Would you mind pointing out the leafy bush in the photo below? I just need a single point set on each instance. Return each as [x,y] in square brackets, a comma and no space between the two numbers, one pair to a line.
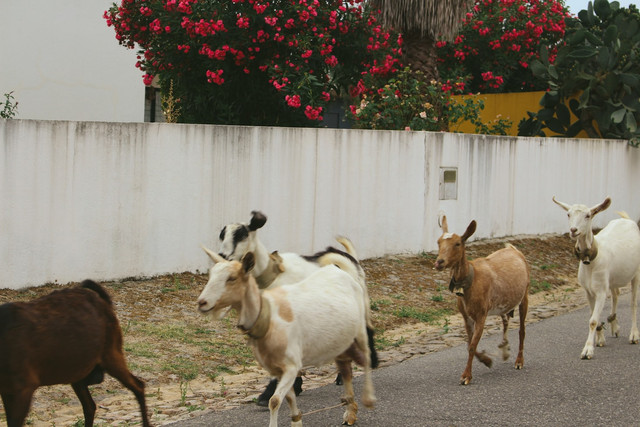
[254,62]
[406,101]
[497,42]
[597,74]
[9,106]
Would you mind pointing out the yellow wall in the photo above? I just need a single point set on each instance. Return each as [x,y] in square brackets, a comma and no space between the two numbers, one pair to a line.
[512,106]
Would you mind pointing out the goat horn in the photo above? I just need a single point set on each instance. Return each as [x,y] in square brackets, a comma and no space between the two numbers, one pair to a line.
[564,206]
[214,256]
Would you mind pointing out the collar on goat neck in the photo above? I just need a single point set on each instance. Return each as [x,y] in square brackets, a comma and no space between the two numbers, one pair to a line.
[268,276]
[463,283]
[587,254]
[261,324]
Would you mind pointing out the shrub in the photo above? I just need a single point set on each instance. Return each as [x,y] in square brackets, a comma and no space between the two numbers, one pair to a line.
[9,106]
[597,74]
[406,101]
[497,42]
[253,62]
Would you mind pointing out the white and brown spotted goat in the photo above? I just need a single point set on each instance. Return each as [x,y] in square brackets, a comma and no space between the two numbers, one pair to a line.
[238,239]
[608,261]
[494,285]
[310,323]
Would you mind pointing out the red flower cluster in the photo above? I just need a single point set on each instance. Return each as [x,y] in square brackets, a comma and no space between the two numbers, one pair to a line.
[298,49]
[499,39]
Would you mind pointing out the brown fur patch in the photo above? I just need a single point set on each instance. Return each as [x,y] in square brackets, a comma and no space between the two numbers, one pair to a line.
[270,350]
[284,308]
[274,403]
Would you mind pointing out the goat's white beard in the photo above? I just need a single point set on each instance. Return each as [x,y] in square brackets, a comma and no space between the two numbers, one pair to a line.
[219,313]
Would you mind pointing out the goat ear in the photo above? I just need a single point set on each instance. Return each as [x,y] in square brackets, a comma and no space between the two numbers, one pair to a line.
[469,231]
[275,256]
[602,206]
[248,262]
[258,219]
[564,206]
[442,222]
[214,256]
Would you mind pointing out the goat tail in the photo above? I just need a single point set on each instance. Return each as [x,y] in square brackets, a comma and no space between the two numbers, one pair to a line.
[348,245]
[373,354]
[90,284]
[623,214]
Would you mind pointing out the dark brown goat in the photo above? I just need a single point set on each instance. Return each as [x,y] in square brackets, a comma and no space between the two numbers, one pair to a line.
[70,336]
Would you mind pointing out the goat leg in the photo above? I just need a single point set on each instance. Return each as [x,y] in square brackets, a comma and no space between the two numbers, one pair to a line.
[88,405]
[504,345]
[522,310]
[16,406]
[350,414]
[284,388]
[473,345]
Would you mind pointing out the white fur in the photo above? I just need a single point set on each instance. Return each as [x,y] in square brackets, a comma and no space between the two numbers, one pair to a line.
[617,263]
[328,309]
[296,268]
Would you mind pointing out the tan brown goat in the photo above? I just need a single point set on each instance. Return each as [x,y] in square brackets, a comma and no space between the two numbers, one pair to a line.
[494,285]
[71,336]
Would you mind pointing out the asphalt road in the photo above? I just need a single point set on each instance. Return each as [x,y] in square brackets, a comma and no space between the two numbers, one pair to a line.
[555,388]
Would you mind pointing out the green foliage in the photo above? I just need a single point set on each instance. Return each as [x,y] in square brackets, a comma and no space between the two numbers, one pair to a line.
[595,76]
[252,62]
[498,40]
[540,286]
[9,106]
[426,316]
[406,101]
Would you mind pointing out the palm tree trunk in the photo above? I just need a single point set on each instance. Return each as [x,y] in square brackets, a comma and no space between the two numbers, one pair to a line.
[420,54]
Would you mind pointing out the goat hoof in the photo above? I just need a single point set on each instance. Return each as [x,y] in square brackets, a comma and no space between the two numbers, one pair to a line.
[465,381]
[349,419]
[369,402]
[586,357]
[262,402]
[633,341]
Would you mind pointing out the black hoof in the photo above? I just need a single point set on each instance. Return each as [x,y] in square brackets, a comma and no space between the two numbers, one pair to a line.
[263,399]
[339,379]
[297,386]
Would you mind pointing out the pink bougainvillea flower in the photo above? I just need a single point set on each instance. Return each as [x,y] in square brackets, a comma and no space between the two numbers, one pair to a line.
[313,113]
[215,76]
[293,101]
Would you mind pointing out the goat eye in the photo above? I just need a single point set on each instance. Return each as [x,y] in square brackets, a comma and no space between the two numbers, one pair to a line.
[588,216]
[458,244]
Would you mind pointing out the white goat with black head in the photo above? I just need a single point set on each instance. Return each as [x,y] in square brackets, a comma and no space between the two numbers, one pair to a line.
[309,323]
[608,260]
[238,239]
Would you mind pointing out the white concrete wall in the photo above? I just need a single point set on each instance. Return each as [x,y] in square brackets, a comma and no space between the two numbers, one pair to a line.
[64,63]
[112,200]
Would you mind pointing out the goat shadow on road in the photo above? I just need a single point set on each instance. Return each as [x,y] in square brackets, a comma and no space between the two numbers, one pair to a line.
[555,387]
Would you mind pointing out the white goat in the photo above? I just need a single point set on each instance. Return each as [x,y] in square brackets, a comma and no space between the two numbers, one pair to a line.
[238,239]
[608,261]
[309,323]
